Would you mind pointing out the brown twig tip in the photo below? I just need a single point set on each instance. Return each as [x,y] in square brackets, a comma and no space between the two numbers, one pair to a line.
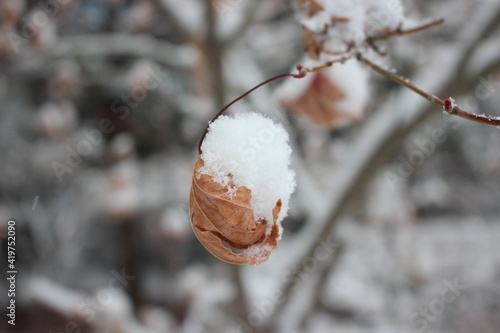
[449,106]
[302,72]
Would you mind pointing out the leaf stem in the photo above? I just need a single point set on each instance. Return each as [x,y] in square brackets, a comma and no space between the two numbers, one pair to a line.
[302,73]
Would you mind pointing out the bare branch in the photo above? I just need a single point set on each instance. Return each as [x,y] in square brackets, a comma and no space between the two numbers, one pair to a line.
[214,54]
[382,136]
[304,70]
[402,32]
[109,45]
[401,80]
[447,104]
[370,41]
[450,108]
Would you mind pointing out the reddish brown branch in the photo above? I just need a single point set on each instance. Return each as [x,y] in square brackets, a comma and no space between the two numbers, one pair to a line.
[450,108]
[401,80]
[402,32]
[447,104]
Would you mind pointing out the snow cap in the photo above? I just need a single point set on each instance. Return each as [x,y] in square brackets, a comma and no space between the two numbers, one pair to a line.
[250,150]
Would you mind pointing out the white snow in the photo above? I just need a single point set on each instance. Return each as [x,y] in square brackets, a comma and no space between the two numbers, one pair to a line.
[365,17]
[352,79]
[258,252]
[252,151]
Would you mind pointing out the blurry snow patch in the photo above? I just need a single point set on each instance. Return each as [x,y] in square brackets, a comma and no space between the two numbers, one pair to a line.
[198,108]
[142,74]
[56,119]
[388,203]
[353,287]
[432,192]
[157,319]
[52,295]
[175,222]
[230,14]
[65,83]
[317,22]
[123,190]
[45,36]
[364,17]
[386,274]
[191,129]
[259,252]
[352,79]
[122,146]
[486,159]
[207,295]
[197,284]
[252,151]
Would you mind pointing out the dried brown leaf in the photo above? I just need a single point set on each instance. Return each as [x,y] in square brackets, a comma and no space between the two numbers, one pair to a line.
[319,102]
[225,223]
[311,44]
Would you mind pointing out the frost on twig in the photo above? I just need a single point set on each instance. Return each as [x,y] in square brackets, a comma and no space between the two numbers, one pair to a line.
[448,104]
[451,108]
[315,49]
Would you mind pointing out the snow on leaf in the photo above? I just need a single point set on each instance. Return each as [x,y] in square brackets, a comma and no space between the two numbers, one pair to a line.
[241,188]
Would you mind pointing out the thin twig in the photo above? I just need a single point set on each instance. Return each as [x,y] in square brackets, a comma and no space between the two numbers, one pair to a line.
[326,65]
[401,32]
[370,41]
[447,104]
[214,54]
[450,108]
[401,80]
